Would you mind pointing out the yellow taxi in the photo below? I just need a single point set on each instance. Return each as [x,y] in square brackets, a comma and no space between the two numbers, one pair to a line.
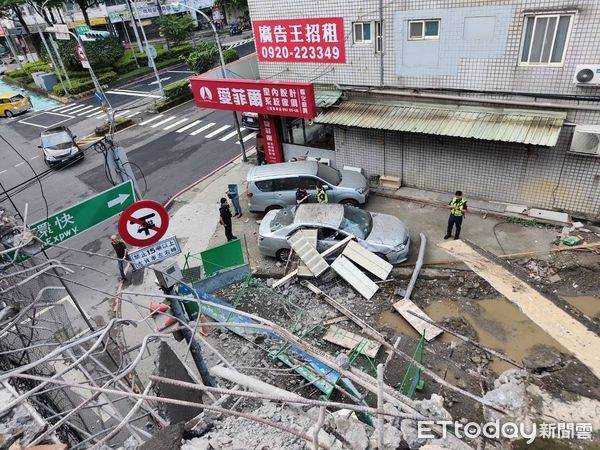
[12,104]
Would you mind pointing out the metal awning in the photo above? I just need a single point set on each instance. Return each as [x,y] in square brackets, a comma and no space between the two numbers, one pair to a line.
[326,98]
[494,124]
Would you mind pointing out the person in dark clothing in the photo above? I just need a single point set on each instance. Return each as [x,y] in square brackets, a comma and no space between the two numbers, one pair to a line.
[301,195]
[458,209]
[121,252]
[225,220]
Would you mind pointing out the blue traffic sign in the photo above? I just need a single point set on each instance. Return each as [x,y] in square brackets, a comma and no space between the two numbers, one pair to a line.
[100,98]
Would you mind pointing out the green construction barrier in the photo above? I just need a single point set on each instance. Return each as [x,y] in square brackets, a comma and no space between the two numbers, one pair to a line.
[412,377]
[222,257]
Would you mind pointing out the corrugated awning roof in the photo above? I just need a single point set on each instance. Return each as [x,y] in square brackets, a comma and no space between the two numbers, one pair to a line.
[493,124]
[326,98]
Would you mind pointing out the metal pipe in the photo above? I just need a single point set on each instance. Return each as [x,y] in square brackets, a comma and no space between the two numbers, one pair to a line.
[418,265]
[380,369]
[150,58]
[475,99]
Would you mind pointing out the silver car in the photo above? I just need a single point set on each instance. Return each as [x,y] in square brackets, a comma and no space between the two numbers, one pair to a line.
[274,186]
[384,235]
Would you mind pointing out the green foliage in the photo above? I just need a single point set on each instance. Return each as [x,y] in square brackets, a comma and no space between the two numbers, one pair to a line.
[80,85]
[101,54]
[176,28]
[36,66]
[17,73]
[177,89]
[230,55]
[119,124]
[202,58]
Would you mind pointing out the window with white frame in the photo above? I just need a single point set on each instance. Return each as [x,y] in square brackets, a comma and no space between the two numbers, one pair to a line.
[423,29]
[545,38]
[378,37]
[362,32]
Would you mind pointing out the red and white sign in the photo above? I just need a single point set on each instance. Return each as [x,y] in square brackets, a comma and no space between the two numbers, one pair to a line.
[143,223]
[271,142]
[82,56]
[311,40]
[2,31]
[280,98]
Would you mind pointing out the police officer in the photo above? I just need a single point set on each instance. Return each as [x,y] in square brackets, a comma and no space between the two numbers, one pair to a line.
[322,195]
[225,219]
[458,209]
[302,195]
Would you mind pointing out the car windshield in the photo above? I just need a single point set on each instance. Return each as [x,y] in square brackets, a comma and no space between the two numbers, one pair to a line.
[356,222]
[283,218]
[57,141]
[329,174]
[16,98]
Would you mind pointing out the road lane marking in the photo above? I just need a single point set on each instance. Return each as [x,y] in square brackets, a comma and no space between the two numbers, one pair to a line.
[248,137]
[35,157]
[168,119]
[134,114]
[179,71]
[174,124]
[97,113]
[122,113]
[230,135]
[71,110]
[86,109]
[152,119]
[134,94]
[62,107]
[188,126]
[20,164]
[217,131]
[2,172]
[201,129]
[83,113]
[162,79]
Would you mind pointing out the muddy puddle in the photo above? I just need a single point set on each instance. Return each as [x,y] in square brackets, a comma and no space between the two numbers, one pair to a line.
[498,323]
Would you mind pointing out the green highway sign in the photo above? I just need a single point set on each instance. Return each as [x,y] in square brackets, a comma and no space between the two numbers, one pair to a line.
[82,29]
[78,218]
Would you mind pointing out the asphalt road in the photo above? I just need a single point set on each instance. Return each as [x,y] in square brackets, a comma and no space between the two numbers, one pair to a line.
[168,152]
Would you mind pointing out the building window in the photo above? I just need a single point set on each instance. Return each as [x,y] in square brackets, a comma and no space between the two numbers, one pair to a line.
[545,39]
[423,29]
[362,32]
[378,37]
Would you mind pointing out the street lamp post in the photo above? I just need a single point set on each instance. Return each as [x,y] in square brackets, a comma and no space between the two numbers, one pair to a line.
[223,71]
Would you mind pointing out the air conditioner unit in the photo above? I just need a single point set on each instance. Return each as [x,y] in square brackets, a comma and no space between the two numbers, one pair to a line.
[586,140]
[587,75]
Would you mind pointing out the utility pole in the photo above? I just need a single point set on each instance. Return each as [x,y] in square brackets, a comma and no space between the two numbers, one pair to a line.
[13,51]
[150,56]
[60,61]
[133,25]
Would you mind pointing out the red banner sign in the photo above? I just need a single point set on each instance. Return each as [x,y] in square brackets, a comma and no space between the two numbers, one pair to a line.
[312,40]
[280,98]
[271,142]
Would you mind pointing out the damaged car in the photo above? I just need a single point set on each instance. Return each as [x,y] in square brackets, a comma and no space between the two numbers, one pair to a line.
[382,234]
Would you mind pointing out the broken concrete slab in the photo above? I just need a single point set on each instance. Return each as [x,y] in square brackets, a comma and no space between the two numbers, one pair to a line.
[389,182]
[516,209]
[311,237]
[403,307]
[553,216]
[308,254]
[368,260]
[349,340]
[352,274]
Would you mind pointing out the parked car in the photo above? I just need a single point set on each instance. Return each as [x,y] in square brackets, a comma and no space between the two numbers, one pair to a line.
[274,186]
[59,146]
[382,234]
[12,104]
[250,120]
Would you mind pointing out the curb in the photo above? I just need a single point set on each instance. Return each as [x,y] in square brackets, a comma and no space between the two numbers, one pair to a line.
[171,199]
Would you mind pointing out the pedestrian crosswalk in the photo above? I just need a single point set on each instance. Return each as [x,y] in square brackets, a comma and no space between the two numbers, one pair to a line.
[166,122]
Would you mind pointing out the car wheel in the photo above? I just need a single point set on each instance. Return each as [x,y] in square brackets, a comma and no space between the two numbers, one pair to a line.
[272,207]
[8,113]
[350,202]
[283,254]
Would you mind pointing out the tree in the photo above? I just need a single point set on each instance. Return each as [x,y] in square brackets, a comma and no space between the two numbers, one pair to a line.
[241,6]
[10,8]
[176,28]
[84,5]
[202,58]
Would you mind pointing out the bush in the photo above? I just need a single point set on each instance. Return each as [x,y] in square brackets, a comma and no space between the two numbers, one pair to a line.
[36,66]
[101,54]
[18,73]
[119,124]
[202,58]
[230,55]
[178,89]
[79,85]
[181,50]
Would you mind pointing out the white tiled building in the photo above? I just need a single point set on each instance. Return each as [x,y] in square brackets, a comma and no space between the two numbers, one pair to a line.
[477,95]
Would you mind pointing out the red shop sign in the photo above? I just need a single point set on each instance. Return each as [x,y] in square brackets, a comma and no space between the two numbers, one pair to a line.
[312,40]
[280,98]
[271,142]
